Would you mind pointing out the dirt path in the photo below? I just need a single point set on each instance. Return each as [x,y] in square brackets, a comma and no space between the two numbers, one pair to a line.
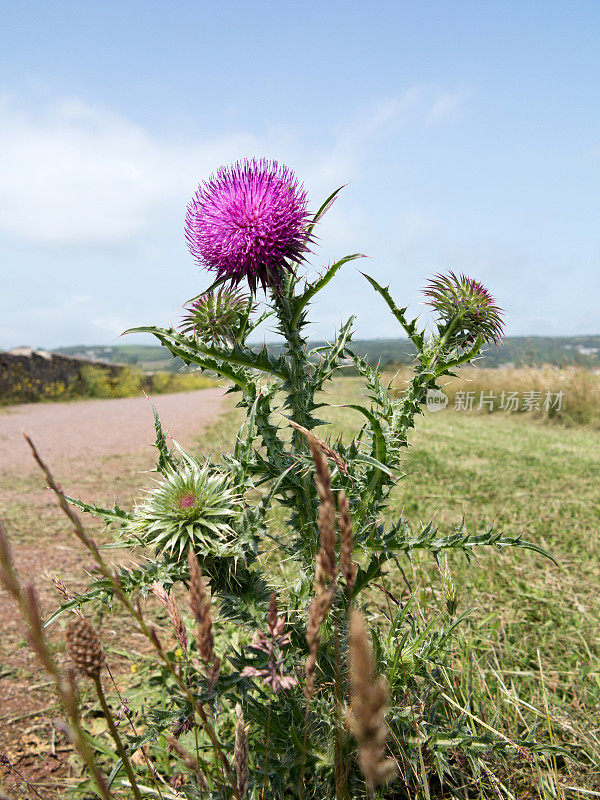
[99,450]
[93,428]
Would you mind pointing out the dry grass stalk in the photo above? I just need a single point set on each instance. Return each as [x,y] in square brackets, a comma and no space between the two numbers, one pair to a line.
[143,628]
[326,560]
[366,715]
[36,636]
[84,648]
[580,388]
[317,613]
[8,575]
[323,446]
[348,567]
[188,759]
[240,752]
[168,601]
[201,609]
[326,566]
[273,620]
[61,588]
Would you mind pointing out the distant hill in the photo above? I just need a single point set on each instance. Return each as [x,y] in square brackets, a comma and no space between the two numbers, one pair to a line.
[146,357]
[518,350]
[532,351]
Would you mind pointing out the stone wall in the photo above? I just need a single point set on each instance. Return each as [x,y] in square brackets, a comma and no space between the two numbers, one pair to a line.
[30,375]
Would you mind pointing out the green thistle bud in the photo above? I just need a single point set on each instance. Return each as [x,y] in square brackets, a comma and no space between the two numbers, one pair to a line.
[216,317]
[466,309]
[192,506]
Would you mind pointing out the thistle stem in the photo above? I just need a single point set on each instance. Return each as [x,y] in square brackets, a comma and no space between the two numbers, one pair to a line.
[299,398]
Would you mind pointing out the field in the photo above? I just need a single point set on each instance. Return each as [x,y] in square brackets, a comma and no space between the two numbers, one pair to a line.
[529,654]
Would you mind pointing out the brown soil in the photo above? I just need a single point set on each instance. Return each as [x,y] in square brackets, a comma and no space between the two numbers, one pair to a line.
[99,450]
[100,427]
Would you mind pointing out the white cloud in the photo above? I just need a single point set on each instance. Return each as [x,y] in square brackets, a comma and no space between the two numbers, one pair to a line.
[446,106]
[74,175]
[78,175]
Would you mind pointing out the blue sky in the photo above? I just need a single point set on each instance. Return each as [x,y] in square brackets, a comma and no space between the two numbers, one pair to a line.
[468,134]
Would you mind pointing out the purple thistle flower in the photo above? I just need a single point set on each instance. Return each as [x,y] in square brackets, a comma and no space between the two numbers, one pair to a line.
[247,221]
[466,308]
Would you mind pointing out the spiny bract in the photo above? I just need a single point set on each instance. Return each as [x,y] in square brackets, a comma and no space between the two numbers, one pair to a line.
[190,507]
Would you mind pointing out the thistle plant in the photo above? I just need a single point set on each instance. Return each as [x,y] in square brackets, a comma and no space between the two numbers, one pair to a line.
[208,528]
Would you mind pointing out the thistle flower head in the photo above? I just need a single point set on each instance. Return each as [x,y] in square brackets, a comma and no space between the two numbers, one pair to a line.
[216,317]
[190,507]
[465,304]
[247,221]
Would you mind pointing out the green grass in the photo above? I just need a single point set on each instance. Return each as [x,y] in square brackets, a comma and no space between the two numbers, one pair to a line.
[533,638]
[529,654]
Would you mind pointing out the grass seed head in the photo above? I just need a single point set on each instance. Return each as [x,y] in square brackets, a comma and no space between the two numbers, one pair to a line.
[169,603]
[240,753]
[188,760]
[366,715]
[317,613]
[348,567]
[201,609]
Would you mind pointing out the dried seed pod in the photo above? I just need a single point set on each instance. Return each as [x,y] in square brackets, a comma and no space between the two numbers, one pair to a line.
[84,648]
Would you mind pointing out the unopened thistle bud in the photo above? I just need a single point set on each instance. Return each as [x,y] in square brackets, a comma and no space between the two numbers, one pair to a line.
[466,309]
[84,648]
[216,317]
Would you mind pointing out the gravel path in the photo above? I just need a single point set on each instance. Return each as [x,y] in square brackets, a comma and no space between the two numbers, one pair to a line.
[101,427]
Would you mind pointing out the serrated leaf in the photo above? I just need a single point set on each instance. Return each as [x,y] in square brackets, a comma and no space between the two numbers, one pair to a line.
[410,327]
